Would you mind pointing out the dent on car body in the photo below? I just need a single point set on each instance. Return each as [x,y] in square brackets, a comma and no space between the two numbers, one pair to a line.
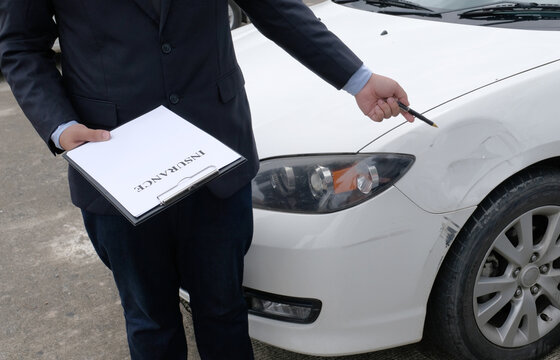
[485,150]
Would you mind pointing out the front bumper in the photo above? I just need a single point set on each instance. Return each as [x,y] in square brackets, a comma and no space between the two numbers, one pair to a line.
[372,267]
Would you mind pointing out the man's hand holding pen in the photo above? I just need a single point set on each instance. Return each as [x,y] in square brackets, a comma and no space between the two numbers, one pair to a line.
[378,99]
[382,98]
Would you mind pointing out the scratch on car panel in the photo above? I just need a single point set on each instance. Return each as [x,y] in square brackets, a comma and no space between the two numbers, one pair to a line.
[449,230]
[380,237]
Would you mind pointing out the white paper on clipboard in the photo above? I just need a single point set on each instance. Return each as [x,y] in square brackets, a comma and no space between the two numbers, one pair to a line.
[151,159]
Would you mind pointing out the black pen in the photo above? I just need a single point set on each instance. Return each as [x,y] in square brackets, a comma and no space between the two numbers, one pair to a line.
[416,114]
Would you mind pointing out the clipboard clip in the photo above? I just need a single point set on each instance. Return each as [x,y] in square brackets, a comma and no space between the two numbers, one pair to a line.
[184,185]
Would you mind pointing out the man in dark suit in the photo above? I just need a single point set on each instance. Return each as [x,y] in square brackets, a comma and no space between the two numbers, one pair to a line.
[121,58]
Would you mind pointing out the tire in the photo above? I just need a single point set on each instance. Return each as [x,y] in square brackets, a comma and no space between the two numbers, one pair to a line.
[235,15]
[497,293]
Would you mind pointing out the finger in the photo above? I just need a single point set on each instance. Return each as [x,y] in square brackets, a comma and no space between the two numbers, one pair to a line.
[373,115]
[78,134]
[404,100]
[89,135]
[401,95]
[387,112]
[395,110]
[379,114]
[407,116]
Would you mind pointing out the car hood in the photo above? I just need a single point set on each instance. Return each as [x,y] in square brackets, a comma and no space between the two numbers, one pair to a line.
[295,112]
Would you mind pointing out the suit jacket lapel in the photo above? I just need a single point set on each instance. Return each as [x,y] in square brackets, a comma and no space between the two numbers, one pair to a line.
[165,5]
[148,8]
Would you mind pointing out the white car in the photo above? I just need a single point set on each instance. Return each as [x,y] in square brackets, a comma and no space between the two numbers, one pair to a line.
[374,235]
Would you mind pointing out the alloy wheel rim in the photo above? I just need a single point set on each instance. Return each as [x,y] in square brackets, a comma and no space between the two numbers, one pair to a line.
[516,298]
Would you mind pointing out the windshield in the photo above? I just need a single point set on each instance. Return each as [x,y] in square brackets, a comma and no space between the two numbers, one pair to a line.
[454,5]
[543,15]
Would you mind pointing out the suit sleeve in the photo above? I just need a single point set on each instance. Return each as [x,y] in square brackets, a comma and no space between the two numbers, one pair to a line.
[294,27]
[27,34]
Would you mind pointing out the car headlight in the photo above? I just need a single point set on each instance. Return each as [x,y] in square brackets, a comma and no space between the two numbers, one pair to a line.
[325,183]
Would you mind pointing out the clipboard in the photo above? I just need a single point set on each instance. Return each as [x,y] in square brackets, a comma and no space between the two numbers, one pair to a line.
[152,162]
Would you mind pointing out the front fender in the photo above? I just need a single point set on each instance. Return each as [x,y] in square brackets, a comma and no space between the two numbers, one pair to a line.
[484,137]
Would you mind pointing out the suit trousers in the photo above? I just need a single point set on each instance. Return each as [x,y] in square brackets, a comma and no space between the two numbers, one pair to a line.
[199,245]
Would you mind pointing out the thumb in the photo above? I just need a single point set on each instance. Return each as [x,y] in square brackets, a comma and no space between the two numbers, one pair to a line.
[90,135]
[401,95]
[78,134]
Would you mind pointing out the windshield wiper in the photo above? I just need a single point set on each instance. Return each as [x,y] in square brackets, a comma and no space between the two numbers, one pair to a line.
[403,7]
[403,4]
[508,11]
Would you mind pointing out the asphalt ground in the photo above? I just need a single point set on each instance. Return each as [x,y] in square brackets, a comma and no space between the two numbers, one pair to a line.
[57,300]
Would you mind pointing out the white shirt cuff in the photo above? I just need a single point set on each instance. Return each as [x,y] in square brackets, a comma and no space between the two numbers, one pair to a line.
[55,136]
[358,80]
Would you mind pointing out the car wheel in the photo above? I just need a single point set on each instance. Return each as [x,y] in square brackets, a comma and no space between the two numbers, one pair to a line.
[497,293]
[235,15]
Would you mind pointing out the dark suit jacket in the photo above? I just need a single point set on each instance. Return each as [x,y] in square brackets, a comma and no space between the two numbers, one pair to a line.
[119,60]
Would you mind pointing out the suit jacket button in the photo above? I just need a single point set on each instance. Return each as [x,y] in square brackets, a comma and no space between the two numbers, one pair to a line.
[174,99]
[166,48]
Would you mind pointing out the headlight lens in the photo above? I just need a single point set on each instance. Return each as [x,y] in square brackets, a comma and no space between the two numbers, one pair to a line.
[325,183]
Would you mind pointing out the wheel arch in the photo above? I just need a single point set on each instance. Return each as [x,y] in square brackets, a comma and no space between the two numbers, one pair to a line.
[455,251]
[553,162]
